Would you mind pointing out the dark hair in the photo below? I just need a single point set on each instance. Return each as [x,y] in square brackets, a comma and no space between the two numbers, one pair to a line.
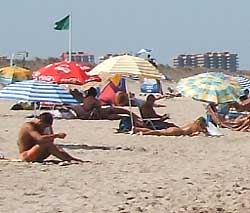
[91,92]
[150,96]
[246,91]
[202,121]
[46,118]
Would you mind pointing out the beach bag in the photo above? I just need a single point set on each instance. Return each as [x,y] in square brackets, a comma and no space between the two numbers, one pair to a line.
[125,124]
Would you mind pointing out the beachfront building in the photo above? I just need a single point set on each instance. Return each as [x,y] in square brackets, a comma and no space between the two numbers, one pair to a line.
[79,57]
[213,60]
[110,55]
[107,56]
[3,59]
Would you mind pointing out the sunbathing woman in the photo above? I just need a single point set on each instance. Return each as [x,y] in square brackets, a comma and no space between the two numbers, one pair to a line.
[241,123]
[171,93]
[191,129]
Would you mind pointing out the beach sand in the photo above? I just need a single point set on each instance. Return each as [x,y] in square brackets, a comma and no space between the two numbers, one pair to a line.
[128,173]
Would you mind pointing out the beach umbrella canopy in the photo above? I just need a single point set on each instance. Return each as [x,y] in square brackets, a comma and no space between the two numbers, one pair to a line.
[65,72]
[126,64]
[244,82]
[37,91]
[210,87]
[12,74]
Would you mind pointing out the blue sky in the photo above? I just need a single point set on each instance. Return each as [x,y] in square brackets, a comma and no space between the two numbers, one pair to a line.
[169,27]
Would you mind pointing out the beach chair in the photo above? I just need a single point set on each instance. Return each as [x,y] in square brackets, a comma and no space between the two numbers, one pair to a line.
[151,123]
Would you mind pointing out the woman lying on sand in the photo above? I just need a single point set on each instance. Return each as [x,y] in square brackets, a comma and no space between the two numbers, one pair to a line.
[191,129]
[172,93]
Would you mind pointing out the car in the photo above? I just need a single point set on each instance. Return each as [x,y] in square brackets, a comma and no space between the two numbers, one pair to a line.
[150,86]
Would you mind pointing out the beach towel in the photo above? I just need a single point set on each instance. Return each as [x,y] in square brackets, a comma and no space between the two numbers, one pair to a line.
[63,114]
[213,130]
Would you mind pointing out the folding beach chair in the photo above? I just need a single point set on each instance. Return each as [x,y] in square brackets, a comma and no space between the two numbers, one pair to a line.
[151,123]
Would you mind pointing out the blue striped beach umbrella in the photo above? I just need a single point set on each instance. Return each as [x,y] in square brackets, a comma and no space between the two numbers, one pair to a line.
[210,87]
[37,91]
[244,82]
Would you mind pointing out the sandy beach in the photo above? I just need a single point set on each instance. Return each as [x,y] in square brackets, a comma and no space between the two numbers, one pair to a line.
[128,173]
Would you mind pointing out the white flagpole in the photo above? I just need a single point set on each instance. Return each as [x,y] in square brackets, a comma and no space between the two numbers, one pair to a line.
[70,36]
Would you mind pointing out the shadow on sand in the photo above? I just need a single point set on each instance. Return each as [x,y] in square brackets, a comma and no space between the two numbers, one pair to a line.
[93,147]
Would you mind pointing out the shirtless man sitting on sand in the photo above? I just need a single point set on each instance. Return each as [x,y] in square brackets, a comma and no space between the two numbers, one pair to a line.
[36,140]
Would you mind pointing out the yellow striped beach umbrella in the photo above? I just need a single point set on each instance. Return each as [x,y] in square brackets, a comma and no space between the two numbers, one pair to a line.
[12,74]
[126,64]
[210,87]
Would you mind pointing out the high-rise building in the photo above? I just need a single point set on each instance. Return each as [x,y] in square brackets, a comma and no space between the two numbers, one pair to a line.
[219,60]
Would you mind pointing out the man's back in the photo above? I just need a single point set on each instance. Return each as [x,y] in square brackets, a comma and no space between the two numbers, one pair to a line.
[25,140]
[147,111]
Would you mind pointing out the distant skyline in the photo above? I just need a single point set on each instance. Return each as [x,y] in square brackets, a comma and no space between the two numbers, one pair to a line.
[167,27]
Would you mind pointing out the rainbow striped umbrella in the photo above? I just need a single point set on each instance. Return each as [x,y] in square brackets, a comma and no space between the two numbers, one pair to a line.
[210,87]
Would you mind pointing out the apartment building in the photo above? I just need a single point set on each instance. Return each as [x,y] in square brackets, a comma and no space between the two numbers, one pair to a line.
[213,60]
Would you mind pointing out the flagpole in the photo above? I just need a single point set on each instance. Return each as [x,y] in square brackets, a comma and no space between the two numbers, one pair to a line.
[70,36]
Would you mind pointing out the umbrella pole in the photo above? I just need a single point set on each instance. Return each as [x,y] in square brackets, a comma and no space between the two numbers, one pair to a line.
[130,109]
[35,109]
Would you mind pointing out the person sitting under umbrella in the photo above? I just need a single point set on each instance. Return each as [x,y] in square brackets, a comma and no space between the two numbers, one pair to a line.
[245,95]
[240,123]
[148,112]
[93,105]
[191,129]
[36,140]
[244,103]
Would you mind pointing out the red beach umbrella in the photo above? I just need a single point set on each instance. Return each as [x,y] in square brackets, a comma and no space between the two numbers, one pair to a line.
[65,72]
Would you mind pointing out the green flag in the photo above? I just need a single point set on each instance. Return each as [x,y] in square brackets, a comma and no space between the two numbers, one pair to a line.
[63,24]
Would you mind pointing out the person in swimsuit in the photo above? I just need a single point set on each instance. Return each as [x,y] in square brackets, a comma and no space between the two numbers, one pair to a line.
[147,111]
[191,129]
[240,123]
[36,140]
[93,105]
